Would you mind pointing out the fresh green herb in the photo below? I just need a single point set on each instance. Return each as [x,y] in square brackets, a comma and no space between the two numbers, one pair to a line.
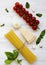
[11,56]
[41,46]
[39,15]
[40,37]
[42,34]
[27,5]
[16,53]
[38,40]
[6,10]
[19,61]
[8,61]
[2,25]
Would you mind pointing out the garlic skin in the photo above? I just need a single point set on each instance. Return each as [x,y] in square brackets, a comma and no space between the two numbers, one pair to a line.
[16,25]
[34,47]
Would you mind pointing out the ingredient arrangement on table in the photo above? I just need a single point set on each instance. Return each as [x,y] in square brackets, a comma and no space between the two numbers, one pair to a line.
[29,36]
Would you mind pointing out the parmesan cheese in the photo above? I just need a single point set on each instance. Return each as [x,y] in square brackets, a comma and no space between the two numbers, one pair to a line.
[29,36]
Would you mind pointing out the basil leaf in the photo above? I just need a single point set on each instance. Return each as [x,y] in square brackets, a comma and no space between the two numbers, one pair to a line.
[10,55]
[16,53]
[19,61]
[41,46]
[2,25]
[38,14]
[6,10]
[38,40]
[42,34]
[27,5]
[8,61]
[40,37]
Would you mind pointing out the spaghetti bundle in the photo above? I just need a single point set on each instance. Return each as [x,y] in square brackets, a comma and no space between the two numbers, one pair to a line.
[26,53]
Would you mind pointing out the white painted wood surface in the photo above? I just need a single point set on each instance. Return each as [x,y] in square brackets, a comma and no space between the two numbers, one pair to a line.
[8,18]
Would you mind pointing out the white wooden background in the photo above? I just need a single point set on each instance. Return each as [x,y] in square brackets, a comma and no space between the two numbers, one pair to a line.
[8,18]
